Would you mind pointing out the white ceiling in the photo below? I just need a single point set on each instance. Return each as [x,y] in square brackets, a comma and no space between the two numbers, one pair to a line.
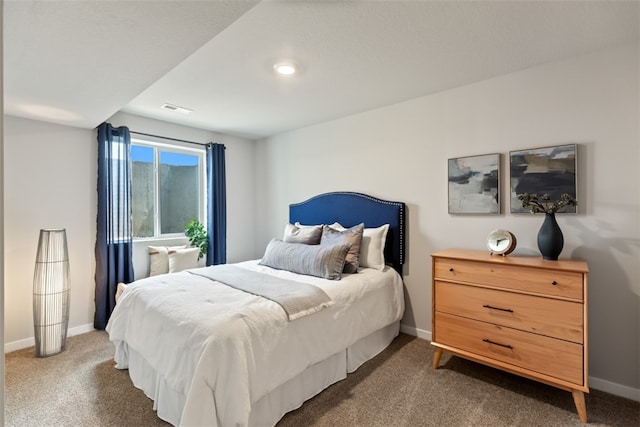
[79,62]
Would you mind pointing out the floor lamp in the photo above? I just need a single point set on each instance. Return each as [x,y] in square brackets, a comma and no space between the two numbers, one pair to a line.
[51,292]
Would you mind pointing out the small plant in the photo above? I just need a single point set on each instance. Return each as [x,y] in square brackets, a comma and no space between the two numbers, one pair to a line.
[544,204]
[197,236]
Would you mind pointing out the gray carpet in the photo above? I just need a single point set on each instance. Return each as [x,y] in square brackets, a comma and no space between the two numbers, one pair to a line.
[81,387]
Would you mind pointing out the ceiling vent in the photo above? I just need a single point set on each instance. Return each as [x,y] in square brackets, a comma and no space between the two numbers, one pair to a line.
[177,109]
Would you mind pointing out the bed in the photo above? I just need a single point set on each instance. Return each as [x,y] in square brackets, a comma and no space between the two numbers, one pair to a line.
[210,353]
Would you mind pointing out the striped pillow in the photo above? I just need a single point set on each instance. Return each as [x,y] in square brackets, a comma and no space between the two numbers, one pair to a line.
[312,260]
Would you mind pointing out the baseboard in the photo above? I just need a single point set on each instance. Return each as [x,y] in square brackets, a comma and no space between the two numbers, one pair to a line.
[615,388]
[420,333]
[31,342]
[594,383]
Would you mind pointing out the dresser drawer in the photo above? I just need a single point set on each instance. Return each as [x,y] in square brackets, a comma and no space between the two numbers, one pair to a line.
[549,356]
[546,316]
[566,284]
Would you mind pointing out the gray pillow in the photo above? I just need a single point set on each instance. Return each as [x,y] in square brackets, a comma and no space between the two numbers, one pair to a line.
[353,235]
[307,234]
[312,260]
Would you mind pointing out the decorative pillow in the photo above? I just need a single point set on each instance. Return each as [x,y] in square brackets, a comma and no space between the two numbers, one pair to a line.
[312,260]
[307,234]
[182,259]
[159,258]
[372,250]
[372,247]
[353,235]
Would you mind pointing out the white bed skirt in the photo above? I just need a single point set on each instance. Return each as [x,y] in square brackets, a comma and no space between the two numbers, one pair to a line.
[268,410]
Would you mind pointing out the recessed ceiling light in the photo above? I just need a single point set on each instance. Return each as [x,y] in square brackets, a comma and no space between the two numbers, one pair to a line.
[177,109]
[285,68]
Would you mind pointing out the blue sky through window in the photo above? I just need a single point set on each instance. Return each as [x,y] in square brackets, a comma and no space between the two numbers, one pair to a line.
[177,159]
[144,154]
[141,154]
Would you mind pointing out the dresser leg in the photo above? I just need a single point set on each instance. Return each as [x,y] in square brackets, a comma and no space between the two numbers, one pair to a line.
[578,399]
[436,357]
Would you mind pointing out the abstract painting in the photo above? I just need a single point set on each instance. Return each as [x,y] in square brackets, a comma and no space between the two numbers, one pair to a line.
[474,185]
[547,170]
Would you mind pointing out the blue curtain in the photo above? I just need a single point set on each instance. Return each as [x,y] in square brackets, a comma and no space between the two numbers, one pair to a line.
[114,245]
[216,205]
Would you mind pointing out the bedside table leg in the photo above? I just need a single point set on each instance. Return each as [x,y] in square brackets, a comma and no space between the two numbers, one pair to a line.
[578,399]
[436,357]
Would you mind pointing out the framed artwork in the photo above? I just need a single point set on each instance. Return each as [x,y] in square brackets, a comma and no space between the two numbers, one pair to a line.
[547,170]
[474,184]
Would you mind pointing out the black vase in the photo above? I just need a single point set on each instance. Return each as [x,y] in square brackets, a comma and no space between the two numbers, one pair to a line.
[550,239]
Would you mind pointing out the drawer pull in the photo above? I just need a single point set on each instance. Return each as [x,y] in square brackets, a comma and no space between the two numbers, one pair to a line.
[497,343]
[498,308]
[554,283]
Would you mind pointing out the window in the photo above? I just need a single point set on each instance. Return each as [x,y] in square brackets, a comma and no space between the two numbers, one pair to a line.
[167,188]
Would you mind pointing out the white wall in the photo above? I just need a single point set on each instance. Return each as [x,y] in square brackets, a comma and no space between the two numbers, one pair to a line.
[50,181]
[400,152]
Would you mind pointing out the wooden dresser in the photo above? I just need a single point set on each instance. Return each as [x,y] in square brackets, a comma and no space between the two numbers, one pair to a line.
[524,315]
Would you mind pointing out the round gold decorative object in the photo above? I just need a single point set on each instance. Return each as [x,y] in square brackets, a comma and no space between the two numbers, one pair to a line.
[501,242]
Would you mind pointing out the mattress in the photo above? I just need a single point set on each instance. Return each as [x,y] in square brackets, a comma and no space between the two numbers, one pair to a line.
[209,354]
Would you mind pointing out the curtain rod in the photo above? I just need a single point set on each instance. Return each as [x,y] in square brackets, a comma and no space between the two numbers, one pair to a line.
[166,137]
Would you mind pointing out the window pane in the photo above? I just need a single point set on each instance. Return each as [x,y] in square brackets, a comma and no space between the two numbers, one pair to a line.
[142,191]
[179,191]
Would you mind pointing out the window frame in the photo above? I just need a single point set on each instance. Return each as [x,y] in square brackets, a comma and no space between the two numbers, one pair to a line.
[202,177]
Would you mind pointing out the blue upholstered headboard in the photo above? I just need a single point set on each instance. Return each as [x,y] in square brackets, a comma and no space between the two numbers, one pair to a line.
[351,209]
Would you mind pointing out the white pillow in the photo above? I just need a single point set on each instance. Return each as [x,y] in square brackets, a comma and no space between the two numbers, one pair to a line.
[183,259]
[372,246]
[159,258]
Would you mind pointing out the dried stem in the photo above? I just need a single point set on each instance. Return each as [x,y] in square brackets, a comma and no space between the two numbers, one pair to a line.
[544,204]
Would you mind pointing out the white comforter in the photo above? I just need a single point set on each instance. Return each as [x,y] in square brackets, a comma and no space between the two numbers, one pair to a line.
[224,349]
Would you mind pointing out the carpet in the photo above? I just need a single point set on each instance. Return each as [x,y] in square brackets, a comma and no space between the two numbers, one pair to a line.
[81,387]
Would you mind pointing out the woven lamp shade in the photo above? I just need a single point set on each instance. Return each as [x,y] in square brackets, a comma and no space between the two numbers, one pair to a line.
[51,293]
